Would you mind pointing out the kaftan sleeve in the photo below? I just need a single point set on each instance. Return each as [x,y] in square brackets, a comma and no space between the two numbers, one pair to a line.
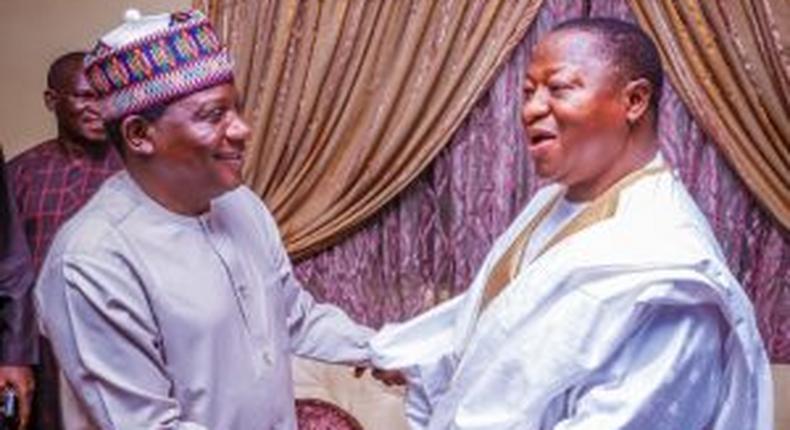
[422,349]
[105,336]
[667,375]
[322,331]
[319,331]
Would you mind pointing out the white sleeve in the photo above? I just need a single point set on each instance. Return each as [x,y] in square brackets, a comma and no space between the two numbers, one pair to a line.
[105,337]
[667,375]
[422,349]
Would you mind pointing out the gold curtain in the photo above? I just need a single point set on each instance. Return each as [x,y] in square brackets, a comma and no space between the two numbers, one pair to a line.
[730,63]
[350,99]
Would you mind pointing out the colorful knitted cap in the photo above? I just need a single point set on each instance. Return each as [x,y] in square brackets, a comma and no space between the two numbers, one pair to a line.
[154,60]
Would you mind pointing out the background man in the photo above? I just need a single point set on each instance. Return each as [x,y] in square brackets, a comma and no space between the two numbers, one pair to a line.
[607,304]
[169,299]
[18,345]
[53,180]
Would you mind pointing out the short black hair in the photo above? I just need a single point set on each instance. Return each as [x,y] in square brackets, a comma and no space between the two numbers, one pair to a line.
[627,46]
[64,68]
[113,128]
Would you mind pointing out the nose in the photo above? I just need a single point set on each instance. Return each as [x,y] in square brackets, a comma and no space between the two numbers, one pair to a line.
[535,107]
[238,131]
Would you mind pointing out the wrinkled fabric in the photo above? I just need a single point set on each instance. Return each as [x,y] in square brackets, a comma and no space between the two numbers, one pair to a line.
[168,321]
[625,324]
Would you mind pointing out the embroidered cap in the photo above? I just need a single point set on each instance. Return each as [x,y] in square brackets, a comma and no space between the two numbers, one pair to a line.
[153,60]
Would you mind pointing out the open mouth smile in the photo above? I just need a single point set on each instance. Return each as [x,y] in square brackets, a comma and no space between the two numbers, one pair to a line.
[540,137]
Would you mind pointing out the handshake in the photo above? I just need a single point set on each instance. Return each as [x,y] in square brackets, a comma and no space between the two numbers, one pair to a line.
[387,377]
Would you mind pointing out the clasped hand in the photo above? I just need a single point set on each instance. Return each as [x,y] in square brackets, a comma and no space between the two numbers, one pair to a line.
[387,377]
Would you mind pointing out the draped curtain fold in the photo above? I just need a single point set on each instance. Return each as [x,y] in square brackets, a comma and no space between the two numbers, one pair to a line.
[730,62]
[350,100]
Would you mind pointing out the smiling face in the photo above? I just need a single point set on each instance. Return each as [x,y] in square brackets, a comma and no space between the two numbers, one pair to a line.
[574,112]
[197,145]
[76,108]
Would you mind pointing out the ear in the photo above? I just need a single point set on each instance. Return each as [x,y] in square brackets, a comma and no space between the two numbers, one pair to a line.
[136,132]
[637,95]
[50,99]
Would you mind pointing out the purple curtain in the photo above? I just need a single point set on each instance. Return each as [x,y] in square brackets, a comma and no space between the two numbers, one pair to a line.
[427,245]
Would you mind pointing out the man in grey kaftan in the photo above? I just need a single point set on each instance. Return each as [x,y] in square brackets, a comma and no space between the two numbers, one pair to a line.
[173,320]
[169,299]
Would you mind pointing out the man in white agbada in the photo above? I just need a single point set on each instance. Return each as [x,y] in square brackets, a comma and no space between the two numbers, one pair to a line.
[607,303]
[169,298]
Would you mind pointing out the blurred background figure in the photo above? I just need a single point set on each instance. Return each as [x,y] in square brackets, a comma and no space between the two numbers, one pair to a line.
[52,181]
[18,337]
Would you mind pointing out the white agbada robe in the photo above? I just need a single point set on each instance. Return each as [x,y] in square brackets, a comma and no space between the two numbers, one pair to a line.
[634,322]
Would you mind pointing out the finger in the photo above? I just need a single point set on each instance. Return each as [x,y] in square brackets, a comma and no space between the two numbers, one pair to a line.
[382,376]
[24,409]
[393,377]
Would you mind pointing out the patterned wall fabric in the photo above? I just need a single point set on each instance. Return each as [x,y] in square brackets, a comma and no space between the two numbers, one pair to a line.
[426,245]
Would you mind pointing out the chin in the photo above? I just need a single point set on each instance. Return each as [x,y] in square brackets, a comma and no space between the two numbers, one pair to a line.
[220,190]
[231,184]
[92,134]
[545,171]
[95,139]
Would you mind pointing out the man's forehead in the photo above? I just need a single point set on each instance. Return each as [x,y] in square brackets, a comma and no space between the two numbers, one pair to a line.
[573,44]
[568,48]
[68,77]
[219,94]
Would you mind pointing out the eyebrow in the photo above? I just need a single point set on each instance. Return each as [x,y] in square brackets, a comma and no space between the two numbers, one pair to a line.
[550,72]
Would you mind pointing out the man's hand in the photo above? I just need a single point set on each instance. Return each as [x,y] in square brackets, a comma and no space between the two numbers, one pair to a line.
[389,377]
[386,377]
[21,379]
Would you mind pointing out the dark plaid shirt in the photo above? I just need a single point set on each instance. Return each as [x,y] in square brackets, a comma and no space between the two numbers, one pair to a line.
[51,182]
